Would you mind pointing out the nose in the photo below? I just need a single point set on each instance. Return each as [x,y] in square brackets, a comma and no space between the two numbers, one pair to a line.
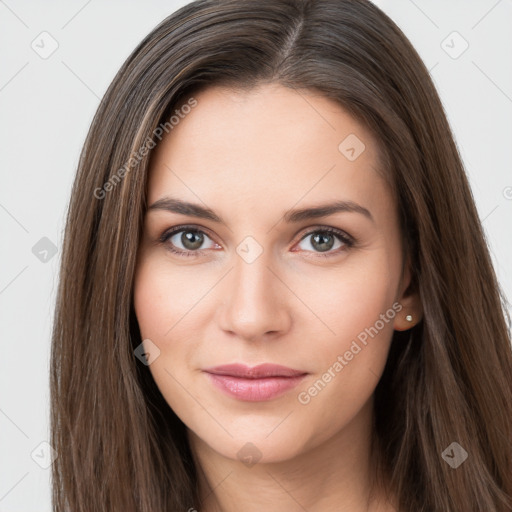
[255,301]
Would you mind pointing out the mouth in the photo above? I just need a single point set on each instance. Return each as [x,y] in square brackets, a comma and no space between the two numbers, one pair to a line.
[256,384]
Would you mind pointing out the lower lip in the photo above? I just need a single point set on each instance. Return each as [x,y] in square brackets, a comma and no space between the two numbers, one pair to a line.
[254,390]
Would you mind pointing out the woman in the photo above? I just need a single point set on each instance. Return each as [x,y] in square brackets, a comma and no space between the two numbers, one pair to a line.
[275,291]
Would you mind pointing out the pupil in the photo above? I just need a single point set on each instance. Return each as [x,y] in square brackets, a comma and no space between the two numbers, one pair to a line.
[324,244]
[187,239]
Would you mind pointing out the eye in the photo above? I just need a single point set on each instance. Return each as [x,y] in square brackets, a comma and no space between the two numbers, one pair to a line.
[188,241]
[322,240]
[185,241]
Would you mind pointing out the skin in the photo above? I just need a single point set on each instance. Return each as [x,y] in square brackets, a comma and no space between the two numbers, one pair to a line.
[250,157]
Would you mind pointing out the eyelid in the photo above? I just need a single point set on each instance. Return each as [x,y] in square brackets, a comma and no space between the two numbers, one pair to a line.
[176,229]
[328,229]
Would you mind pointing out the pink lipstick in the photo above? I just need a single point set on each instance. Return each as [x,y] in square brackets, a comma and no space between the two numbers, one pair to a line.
[256,384]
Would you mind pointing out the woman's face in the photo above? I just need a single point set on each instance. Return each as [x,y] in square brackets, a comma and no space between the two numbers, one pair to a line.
[258,282]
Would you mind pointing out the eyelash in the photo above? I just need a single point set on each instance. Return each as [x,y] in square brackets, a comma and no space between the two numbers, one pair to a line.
[347,240]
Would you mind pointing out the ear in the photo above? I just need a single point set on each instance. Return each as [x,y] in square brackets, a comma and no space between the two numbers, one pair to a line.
[408,296]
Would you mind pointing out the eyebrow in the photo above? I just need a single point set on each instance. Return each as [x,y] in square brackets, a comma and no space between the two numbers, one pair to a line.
[174,205]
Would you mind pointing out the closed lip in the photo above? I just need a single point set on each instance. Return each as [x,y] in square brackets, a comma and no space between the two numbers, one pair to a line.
[260,371]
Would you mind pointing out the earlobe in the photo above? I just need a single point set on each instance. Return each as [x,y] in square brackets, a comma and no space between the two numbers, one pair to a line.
[412,310]
[405,320]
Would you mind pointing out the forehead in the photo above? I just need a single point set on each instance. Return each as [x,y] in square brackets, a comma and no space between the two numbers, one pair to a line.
[270,143]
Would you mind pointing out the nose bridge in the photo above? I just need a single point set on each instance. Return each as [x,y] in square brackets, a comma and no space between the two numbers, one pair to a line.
[253,306]
[251,279]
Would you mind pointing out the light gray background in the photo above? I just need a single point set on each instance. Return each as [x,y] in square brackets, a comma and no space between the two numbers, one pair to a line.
[46,106]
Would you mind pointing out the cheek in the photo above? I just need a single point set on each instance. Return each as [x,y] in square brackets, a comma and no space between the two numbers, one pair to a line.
[150,302]
[161,309]
[164,297]
[357,308]
[169,304]
[350,300]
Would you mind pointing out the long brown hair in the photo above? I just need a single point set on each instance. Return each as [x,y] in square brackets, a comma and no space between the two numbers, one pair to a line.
[449,379]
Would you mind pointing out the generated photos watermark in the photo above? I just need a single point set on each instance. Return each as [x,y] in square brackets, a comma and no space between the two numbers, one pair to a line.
[305,397]
[149,143]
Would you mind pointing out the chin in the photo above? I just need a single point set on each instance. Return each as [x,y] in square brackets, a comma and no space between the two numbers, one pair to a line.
[257,445]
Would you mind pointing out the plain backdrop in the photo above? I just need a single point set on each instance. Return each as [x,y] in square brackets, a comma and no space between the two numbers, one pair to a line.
[57,60]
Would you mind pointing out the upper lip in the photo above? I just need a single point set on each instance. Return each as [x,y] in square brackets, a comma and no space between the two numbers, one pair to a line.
[255,372]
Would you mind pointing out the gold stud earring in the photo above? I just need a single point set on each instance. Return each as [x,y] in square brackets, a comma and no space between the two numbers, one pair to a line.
[409,318]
